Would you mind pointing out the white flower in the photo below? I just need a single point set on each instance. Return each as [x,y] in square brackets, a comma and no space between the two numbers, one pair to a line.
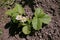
[19,17]
[24,19]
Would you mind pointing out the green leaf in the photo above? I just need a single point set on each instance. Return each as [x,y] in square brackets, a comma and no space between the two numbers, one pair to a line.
[9,12]
[26,30]
[36,23]
[46,19]
[1,32]
[13,15]
[18,8]
[29,21]
[39,12]
[14,19]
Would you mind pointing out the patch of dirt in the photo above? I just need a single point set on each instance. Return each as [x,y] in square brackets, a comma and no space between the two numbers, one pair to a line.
[48,32]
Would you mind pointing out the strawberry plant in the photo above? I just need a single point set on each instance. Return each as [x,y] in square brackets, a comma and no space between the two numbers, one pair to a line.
[18,15]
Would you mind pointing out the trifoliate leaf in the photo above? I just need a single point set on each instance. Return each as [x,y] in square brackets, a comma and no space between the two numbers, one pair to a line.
[26,30]
[46,19]
[36,23]
[18,8]
[39,13]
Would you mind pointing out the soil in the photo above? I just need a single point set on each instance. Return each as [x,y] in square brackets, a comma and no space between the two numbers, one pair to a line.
[48,32]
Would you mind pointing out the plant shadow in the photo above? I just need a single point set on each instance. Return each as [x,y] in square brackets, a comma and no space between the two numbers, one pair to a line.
[14,30]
